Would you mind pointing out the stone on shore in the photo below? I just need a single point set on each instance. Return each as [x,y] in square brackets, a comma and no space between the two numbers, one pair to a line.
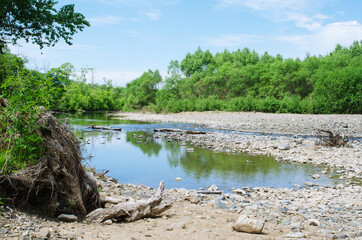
[67,218]
[249,225]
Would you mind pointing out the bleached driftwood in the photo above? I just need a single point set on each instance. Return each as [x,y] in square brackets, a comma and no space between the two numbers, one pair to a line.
[114,200]
[132,211]
[104,128]
[177,130]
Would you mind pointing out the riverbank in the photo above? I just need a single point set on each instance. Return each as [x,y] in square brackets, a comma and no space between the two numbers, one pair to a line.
[295,149]
[275,123]
[309,211]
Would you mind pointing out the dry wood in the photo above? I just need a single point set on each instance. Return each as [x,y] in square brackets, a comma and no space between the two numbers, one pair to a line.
[177,130]
[132,211]
[114,200]
[332,140]
[210,192]
[104,128]
[167,130]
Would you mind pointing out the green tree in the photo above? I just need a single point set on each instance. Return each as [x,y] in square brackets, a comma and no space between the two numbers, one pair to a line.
[143,90]
[38,21]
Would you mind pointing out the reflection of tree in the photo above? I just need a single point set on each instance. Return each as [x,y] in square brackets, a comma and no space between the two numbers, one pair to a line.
[97,136]
[174,153]
[145,142]
[202,162]
[97,118]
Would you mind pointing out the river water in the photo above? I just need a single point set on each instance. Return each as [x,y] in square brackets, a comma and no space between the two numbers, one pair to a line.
[135,156]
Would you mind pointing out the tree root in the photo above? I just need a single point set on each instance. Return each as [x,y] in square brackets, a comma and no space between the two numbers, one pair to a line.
[56,184]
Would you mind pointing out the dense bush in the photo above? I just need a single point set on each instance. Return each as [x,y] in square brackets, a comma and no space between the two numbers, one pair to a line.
[245,81]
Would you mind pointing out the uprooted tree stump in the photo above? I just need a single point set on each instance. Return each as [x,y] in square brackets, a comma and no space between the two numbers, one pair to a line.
[58,183]
[332,140]
[132,210]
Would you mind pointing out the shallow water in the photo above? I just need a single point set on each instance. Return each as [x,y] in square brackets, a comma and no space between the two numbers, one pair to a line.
[134,156]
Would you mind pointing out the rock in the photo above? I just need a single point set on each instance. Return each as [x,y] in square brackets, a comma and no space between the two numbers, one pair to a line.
[219,204]
[213,188]
[176,225]
[194,199]
[294,235]
[67,218]
[189,149]
[211,231]
[309,184]
[239,191]
[108,222]
[178,179]
[284,147]
[296,226]
[248,225]
[316,176]
[313,222]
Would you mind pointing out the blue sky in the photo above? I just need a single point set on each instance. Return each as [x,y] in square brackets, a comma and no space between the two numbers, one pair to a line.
[128,37]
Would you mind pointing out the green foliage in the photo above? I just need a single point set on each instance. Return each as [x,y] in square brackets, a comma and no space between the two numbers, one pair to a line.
[142,91]
[25,90]
[245,81]
[41,22]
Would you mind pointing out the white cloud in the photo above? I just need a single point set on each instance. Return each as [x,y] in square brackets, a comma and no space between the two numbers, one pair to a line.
[119,78]
[303,21]
[104,20]
[301,12]
[326,38]
[137,34]
[153,15]
[266,5]
[140,3]
[231,40]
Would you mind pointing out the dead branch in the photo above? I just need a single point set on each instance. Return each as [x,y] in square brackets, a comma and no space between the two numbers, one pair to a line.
[132,211]
[332,140]
[104,128]
[177,130]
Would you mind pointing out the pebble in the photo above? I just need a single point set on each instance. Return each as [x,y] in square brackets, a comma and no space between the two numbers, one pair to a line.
[108,222]
[313,222]
[67,218]
[294,235]
[284,147]
[316,176]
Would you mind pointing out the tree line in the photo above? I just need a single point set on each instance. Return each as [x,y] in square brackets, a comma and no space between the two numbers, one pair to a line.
[243,80]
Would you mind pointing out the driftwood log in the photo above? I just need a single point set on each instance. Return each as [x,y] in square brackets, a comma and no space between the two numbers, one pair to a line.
[332,140]
[57,183]
[132,210]
[104,128]
[177,130]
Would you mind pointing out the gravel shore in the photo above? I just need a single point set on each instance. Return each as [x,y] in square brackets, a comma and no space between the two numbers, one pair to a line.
[304,212]
[302,124]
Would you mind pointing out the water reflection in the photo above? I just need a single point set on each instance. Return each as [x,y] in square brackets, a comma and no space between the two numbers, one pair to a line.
[136,157]
[144,140]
